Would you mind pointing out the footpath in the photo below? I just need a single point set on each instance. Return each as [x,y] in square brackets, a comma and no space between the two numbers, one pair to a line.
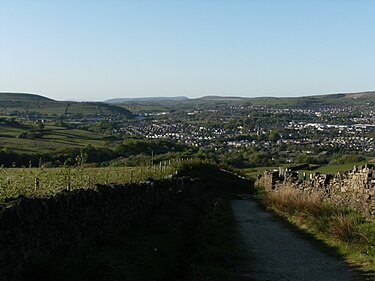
[278,253]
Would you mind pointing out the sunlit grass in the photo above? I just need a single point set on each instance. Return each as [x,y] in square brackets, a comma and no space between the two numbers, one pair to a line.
[52,138]
[49,181]
[343,229]
[323,169]
[334,168]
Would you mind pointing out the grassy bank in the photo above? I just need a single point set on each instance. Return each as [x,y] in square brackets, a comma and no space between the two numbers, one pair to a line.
[343,229]
[168,247]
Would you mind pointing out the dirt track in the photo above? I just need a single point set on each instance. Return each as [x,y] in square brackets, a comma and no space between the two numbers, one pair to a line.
[278,253]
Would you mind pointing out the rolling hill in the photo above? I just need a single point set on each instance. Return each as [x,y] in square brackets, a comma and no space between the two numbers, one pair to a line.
[23,97]
[347,99]
[21,104]
[341,99]
[122,100]
[15,104]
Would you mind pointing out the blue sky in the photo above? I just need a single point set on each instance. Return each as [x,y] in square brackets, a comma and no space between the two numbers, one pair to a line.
[94,50]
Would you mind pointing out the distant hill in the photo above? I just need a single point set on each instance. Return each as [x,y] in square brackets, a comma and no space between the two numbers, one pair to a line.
[23,97]
[341,99]
[345,99]
[221,98]
[148,105]
[122,100]
[16,104]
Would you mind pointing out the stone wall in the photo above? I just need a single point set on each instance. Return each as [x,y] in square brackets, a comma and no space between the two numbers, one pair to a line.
[354,189]
[35,228]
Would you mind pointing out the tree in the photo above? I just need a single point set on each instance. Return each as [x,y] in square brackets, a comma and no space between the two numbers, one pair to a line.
[40,126]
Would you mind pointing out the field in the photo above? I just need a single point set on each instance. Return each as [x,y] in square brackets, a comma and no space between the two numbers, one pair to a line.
[324,169]
[51,138]
[49,181]
[331,169]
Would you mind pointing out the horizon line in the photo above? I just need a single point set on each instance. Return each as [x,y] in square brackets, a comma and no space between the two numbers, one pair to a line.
[193,98]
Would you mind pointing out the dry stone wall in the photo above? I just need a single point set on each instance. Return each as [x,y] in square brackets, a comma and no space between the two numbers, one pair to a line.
[354,189]
[34,228]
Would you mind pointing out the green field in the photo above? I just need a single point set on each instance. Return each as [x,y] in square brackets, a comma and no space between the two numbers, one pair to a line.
[332,169]
[52,137]
[49,181]
[325,169]
[55,108]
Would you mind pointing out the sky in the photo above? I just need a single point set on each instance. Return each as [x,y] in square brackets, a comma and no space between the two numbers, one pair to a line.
[96,50]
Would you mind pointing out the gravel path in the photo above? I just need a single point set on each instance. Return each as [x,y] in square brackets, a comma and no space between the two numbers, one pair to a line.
[279,254]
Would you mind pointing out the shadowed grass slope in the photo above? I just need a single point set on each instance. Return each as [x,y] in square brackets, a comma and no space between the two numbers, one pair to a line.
[192,238]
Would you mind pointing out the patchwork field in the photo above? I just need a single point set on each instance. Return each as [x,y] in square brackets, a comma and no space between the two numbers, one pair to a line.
[49,139]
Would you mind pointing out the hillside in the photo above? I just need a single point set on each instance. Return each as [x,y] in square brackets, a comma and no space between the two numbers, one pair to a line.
[221,98]
[358,99]
[23,97]
[25,138]
[341,99]
[156,105]
[122,100]
[21,104]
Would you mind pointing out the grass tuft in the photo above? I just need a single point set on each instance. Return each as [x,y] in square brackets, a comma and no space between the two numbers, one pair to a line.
[294,202]
[347,228]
